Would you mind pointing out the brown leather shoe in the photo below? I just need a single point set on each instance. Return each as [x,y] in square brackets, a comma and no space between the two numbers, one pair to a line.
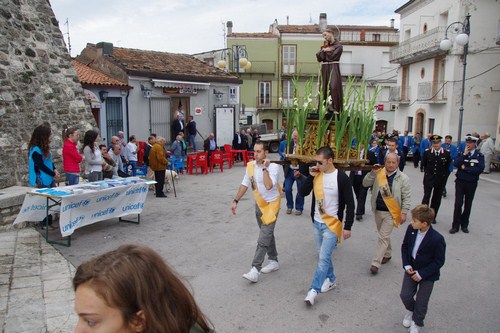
[374,269]
[385,260]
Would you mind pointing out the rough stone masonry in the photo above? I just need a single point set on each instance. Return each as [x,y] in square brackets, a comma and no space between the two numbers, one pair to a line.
[38,84]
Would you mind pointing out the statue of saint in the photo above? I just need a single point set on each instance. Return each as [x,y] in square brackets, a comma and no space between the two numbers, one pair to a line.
[329,57]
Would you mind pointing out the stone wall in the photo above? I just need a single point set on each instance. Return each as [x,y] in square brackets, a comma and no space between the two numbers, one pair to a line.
[37,84]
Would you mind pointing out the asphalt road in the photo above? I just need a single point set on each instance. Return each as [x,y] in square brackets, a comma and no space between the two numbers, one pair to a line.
[197,234]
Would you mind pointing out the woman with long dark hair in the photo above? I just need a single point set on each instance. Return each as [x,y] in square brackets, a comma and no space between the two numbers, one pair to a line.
[132,289]
[41,169]
[71,157]
[93,157]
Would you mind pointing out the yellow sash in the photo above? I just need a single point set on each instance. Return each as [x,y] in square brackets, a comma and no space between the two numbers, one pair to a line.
[333,223]
[390,201]
[269,209]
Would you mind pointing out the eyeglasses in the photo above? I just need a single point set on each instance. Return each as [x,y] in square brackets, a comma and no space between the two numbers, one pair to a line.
[318,162]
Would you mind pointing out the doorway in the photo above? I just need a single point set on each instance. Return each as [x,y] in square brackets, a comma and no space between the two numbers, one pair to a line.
[419,124]
[179,105]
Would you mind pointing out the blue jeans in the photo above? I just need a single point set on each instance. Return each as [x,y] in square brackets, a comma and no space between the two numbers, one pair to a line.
[192,138]
[134,167]
[72,179]
[299,200]
[326,241]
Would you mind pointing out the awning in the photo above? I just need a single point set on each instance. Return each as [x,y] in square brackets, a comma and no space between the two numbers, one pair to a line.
[92,98]
[181,84]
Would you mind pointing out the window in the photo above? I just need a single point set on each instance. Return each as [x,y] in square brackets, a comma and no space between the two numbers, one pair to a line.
[376,37]
[289,53]
[287,93]
[232,93]
[431,125]
[238,53]
[409,124]
[264,93]
[114,116]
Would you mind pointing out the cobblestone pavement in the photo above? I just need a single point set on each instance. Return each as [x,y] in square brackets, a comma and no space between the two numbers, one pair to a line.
[198,236]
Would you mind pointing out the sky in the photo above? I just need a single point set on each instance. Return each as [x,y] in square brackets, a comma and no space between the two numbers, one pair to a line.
[195,26]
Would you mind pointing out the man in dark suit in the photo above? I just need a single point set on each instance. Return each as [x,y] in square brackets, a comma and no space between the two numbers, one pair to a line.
[177,127]
[436,163]
[356,178]
[405,143]
[423,255]
[470,164]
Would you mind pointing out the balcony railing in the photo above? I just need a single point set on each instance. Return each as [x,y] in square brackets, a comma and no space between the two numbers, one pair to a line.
[400,94]
[312,68]
[258,67]
[420,47]
[432,91]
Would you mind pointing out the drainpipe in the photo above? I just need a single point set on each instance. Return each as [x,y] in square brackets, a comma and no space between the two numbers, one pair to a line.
[126,113]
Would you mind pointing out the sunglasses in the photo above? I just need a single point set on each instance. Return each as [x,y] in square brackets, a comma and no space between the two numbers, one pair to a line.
[318,162]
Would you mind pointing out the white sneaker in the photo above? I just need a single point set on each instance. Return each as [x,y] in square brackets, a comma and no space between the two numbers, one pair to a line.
[407,318]
[328,285]
[311,295]
[252,276]
[414,328]
[271,267]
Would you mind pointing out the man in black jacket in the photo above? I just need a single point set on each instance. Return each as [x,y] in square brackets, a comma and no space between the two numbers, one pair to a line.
[332,194]
[177,127]
[436,163]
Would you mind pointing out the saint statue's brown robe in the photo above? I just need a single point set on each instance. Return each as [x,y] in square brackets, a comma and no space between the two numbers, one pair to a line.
[329,57]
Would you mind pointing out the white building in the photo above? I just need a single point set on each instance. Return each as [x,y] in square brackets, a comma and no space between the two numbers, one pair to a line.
[428,95]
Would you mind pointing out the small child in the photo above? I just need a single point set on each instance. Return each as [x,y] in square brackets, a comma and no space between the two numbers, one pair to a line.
[423,253]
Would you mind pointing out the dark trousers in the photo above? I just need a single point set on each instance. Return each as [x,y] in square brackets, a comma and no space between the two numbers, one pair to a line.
[464,192]
[160,182]
[445,181]
[434,186]
[360,191]
[402,161]
[418,305]
[416,158]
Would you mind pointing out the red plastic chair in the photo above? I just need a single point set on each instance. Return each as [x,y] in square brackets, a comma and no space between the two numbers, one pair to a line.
[250,155]
[228,156]
[201,161]
[216,159]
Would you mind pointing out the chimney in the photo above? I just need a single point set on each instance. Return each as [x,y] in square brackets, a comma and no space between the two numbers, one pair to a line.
[229,26]
[392,23]
[106,48]
[322,22]
[287,20]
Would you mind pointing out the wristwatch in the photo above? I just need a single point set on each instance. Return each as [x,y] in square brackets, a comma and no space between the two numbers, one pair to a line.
[264,169]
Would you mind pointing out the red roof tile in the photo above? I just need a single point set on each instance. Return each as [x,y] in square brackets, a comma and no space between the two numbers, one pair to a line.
[168,65]
[89,75]
[314,29]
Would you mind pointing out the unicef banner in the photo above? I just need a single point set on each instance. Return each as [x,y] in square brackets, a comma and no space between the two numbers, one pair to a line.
[81,209]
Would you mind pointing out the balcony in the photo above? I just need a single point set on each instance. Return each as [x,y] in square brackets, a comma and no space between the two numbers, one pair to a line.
[375,37]
[258,67]
[421,47]
[312,69]
[431,92]
[400,94]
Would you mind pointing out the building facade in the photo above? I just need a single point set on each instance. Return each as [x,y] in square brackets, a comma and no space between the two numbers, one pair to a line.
[288,51]
[161,86]
[430,82]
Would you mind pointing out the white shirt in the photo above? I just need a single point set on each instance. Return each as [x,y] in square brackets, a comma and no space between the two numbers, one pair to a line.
[418,241]
[331,192]
[131,149]
[258,175]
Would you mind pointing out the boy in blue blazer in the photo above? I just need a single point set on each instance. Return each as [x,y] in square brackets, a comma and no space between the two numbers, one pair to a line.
[423,254]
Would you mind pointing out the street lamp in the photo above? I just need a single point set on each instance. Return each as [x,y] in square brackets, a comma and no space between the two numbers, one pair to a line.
[462,39]
[240,57]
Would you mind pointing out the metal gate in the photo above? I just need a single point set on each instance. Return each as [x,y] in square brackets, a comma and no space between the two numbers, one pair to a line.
[114,117]
[160,117]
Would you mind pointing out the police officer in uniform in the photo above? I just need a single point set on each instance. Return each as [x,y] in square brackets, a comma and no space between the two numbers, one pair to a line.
[436,163]
[469,164]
